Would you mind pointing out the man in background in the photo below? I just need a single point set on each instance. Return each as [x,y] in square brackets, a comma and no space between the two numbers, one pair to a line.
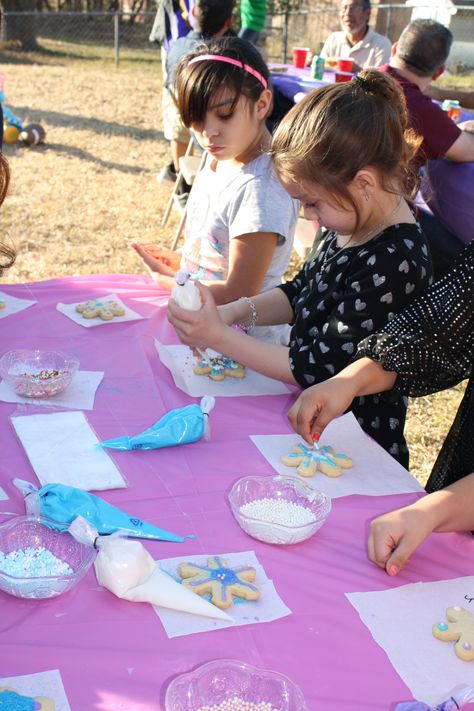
[356,40]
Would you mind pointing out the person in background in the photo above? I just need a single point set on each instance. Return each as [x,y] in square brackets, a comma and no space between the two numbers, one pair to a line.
[356,40]
[426,348]
[172,20]
[372,261]
[240,221]
[252,19]
[419,57]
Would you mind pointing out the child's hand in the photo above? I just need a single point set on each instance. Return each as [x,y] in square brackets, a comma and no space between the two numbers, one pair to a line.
[318,405]
[161,261]
[395,536]
[198,329]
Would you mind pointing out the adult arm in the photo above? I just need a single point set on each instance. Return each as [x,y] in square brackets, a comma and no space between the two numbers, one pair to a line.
[465,98]
[462,150]
[396,535]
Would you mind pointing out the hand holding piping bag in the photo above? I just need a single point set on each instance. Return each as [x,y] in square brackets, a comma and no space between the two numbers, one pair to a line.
[187,296]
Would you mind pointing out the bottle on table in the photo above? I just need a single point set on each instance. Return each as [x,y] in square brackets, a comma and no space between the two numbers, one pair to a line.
[452,108]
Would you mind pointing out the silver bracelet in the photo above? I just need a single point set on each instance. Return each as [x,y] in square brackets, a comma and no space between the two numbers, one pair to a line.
[253,316]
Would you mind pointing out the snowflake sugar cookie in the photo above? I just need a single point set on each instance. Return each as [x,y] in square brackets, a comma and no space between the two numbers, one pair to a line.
[218,367]
[105,310]
[309,460]
[10,699]
[459,629]
[220,581]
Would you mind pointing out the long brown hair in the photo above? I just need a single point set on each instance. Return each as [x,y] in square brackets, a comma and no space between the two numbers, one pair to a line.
[337,130]
[7,253]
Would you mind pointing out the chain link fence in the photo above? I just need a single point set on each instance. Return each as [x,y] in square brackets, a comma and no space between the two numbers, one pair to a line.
[121,35]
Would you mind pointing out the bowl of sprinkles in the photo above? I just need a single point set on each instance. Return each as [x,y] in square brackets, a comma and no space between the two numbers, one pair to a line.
[38,374]
[232,685]
[38,560]
[280,510]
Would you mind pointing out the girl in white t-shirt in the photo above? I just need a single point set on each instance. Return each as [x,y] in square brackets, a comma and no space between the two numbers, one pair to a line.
[240,221]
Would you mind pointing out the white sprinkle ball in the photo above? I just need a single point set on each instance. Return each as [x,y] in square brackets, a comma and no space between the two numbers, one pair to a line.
[278,511]
[238,704]
[33,563]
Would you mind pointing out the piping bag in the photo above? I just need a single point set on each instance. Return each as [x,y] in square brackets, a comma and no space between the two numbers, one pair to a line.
[62,504]
[186,294]
[127,569]
[182,426]
[461,695]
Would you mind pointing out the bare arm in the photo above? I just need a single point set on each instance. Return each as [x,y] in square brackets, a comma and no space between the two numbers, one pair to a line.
[318,405]
[395,536]
[440,93]
[462,149]
[204,328]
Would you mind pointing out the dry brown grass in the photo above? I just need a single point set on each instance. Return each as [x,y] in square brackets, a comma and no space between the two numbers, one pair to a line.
[77,201]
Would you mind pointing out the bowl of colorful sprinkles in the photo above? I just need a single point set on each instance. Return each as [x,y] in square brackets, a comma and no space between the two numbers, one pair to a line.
[38,560]
[37,374]
[281,510]
[232,685]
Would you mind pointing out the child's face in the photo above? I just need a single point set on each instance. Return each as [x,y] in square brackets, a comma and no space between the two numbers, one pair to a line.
[318,204]
[226,135]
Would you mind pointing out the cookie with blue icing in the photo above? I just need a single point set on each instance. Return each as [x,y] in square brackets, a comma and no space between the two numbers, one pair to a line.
[11,700]
[220,581]
[309,460]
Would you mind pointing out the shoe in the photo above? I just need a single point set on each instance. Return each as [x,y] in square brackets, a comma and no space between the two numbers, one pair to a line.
[167,174]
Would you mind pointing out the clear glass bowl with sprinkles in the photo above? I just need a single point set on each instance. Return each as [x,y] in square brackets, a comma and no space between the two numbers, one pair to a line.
[37,560]
[37,374]
[280,510]
[232,685]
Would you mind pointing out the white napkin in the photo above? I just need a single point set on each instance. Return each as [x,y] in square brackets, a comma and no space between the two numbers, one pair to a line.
[127,569]
[69,310]
[13,305]
[62,449]
[267,608]
[180,361]
[3,495]
[373,473]
[46,683]
[79,395]
[400,620]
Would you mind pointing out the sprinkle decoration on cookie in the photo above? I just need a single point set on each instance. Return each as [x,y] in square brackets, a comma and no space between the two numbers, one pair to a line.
[105,310]
[459,629]
[220,581]
[218,367]
[309,460]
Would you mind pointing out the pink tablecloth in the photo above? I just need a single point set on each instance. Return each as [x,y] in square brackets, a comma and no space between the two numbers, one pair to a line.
[114,655]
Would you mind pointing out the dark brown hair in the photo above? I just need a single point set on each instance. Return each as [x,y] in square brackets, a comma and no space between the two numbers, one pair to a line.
[424,46]
[339,129]
[7,253]
[197,84]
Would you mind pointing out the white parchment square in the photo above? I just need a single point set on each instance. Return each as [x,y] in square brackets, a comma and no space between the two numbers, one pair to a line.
[180,361]
[69,310]
[48,683]
[79,395]
[401,620]
[13,305]
[62,449]
[373,473]
[267,608]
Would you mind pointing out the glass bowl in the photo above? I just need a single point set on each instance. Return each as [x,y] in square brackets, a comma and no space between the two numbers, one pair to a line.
[38,374]
[227,684]
[280,520]
[22,532]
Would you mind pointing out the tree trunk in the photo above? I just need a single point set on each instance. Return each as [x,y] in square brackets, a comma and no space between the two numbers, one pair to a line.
[17,28]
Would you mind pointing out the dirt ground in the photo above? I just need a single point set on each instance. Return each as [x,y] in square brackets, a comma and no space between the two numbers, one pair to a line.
[76,202]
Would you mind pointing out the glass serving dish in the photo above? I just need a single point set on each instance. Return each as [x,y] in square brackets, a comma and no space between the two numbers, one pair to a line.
[228,684]
[37,374]
[37,533]
[279,488]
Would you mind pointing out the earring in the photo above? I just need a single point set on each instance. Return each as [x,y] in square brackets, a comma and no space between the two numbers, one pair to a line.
[367,196]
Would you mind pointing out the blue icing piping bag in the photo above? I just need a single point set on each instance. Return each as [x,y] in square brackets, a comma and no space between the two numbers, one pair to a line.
[62,504]
[182,426]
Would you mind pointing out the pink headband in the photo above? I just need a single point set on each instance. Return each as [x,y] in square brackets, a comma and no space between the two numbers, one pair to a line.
[235,62]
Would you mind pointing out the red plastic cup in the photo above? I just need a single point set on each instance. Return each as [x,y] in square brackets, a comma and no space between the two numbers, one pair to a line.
[342,77]
[345,65]
[299,57]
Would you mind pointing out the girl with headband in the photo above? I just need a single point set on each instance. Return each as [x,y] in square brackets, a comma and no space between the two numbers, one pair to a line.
[343,151]
[240,221]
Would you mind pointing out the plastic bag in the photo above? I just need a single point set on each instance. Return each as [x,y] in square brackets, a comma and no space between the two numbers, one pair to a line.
[461,695]
[183,426]
[63,504]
